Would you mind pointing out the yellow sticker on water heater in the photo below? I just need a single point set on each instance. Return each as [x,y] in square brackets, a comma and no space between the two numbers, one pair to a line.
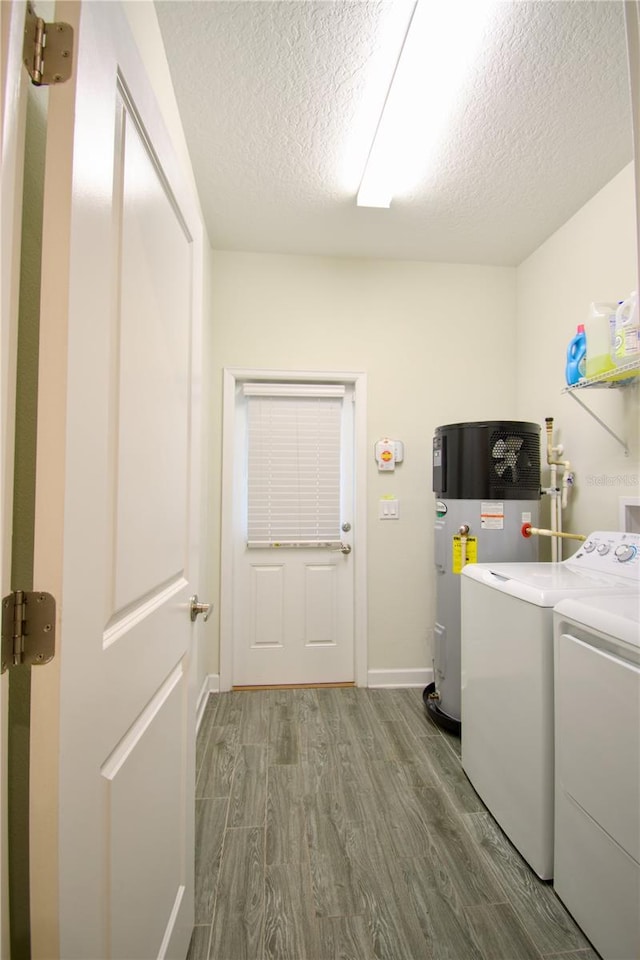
[465,550]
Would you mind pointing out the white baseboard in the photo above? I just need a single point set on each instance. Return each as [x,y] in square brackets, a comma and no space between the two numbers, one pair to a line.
[211,684]
[409,677]
[406,677]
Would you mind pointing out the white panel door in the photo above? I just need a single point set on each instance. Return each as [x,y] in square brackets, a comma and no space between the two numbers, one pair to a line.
[113,720]
[293,607]
[13,102]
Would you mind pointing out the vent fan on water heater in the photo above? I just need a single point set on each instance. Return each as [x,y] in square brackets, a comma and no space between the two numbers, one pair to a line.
[512,459]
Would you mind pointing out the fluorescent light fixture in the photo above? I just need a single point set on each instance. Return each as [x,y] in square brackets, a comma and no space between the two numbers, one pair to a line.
[439,49]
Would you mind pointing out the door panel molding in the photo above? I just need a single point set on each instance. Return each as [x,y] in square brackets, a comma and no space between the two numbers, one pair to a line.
[232,377]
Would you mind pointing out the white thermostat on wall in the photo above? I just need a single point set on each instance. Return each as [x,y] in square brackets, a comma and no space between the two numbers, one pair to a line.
[388,453]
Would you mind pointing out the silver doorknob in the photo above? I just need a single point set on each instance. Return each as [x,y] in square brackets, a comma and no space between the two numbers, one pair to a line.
[195,608]
[343,548]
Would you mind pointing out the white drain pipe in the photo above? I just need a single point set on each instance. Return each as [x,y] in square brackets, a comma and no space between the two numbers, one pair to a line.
[559,495]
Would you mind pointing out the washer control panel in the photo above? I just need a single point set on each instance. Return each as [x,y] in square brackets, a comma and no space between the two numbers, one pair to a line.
[609,552]
[626,552]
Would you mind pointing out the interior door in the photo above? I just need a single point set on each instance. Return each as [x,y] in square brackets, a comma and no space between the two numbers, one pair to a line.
[13,104]
[113,716]
[293,600]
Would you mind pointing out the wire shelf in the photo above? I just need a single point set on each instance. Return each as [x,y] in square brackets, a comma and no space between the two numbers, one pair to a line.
[631,369]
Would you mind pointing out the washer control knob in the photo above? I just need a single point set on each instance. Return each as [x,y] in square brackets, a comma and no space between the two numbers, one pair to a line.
[603,549]
[625,552]
[589,546]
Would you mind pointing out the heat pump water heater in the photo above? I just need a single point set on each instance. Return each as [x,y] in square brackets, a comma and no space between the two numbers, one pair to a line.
[486,478]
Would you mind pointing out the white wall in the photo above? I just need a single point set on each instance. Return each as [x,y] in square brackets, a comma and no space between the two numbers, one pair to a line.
[435,341]
[592,257]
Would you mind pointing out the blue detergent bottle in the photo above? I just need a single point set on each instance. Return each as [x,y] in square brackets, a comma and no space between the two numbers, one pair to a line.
[577,357]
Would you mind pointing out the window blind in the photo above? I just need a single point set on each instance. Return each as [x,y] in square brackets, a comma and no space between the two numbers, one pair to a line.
[293,468]
[265,388]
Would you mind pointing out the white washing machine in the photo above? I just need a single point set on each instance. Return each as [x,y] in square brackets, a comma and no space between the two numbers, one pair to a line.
[507,679]
[597,765]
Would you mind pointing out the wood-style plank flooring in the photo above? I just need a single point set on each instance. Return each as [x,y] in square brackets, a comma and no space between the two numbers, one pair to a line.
[337,824]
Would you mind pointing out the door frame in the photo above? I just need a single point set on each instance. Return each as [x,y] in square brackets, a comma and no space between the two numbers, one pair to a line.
[13,110]
[358,380]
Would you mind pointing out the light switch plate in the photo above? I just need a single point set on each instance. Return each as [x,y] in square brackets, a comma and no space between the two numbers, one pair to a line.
[388,509]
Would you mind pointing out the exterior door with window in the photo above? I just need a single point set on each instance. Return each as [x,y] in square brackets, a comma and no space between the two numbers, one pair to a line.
[293,616]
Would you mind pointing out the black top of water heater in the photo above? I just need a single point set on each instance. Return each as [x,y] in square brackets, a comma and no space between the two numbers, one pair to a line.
[488,459]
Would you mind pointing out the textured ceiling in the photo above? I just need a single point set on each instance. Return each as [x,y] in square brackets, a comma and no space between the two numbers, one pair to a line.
[276,96]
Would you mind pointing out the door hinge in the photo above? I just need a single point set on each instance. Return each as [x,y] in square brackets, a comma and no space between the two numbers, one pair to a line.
[28,628]
[48,49]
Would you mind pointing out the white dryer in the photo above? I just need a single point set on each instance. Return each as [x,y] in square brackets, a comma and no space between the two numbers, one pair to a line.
[597,764]
[507,679]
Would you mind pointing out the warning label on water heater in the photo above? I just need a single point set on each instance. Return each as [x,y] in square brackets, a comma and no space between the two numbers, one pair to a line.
[492,516]
[465,550]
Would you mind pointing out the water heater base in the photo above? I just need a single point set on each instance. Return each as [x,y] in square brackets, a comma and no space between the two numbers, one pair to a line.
[438,716]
